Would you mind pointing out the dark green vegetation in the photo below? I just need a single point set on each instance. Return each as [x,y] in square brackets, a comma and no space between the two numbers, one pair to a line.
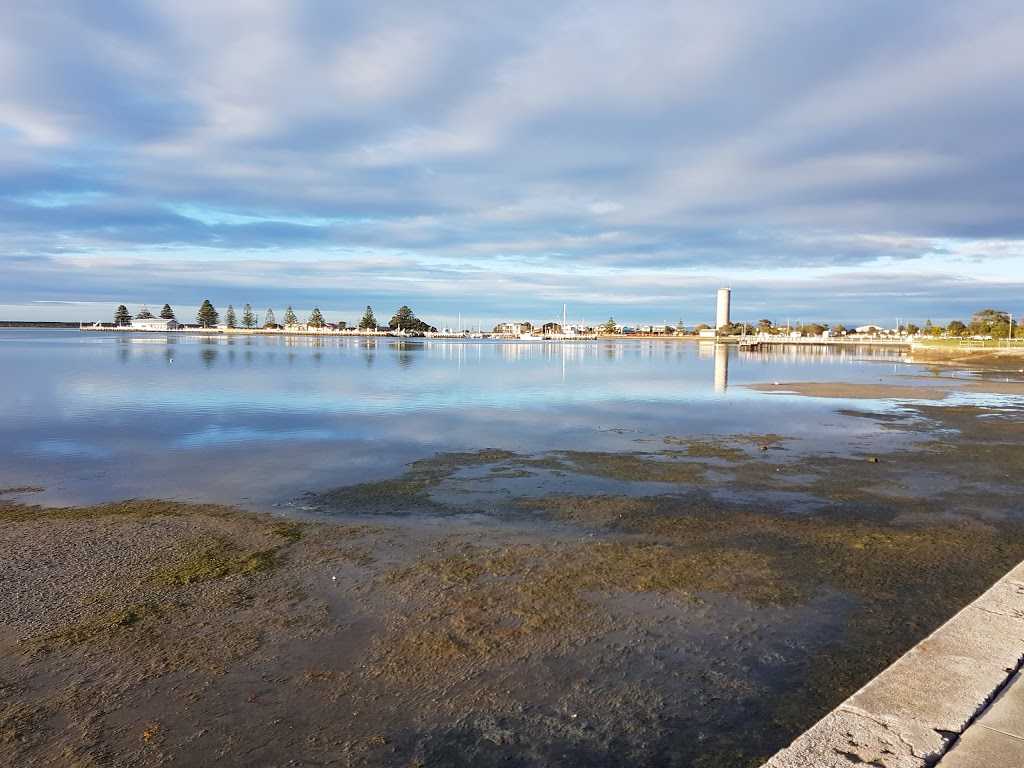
[135,508]
[249,319]
[368,321]
[214,558]
[407,321]
[207,316]
[316,319]
[903,539]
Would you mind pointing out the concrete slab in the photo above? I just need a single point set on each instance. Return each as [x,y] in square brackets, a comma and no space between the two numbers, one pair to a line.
[1005,597]
[1006,714]
[845,738]
[946,680]
[983,748]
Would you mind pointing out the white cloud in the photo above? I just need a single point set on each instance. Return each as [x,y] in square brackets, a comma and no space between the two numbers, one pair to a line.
[551,148]
[605,208]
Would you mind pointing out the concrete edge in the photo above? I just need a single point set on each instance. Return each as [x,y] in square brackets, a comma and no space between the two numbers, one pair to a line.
[914,711]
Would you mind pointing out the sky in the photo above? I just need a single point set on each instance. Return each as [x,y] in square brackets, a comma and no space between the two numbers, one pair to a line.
[829,160]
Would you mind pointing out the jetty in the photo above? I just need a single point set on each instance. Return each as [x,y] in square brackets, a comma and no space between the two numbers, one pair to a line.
[768,341]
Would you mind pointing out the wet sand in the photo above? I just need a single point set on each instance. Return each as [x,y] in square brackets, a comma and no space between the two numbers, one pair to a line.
[904,390]
[490,608]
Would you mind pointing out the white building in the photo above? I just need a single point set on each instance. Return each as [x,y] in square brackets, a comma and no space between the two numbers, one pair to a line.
[154,324]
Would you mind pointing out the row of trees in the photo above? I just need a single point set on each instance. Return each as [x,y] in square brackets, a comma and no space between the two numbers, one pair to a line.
[209,317]
[987,322]
[123,317]
[403,319]
[993,323]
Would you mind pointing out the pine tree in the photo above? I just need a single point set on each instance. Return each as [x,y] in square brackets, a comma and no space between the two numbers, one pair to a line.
[248,318]
[609,327]
[369,322]
[316,319]
[289,316]
[167,313]
[271,321]
[144,314]
[407,321]
[229,317]
[122,316]
[207,315]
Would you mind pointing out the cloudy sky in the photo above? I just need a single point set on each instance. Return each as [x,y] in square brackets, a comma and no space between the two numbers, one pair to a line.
[830,160]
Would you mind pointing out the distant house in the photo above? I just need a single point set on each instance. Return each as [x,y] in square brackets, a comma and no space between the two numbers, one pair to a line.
[154,324]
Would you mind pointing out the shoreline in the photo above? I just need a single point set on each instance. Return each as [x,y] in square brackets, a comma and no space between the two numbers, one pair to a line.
[918,351]
[1003,357]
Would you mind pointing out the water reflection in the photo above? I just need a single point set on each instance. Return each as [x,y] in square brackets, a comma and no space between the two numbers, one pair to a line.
[461,395]
[721,367]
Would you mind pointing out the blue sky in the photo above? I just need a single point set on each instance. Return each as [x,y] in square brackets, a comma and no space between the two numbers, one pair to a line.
[830,161]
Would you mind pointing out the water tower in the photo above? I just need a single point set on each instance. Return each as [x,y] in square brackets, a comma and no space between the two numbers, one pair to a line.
[722,315]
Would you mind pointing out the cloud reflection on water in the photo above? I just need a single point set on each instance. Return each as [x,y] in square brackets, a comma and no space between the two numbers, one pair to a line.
[292,414]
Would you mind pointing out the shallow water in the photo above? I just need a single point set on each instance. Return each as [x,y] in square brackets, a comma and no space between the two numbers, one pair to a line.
[602,553]
[94,416]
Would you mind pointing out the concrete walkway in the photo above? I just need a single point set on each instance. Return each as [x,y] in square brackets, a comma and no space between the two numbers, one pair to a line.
[932,706]
[996,738]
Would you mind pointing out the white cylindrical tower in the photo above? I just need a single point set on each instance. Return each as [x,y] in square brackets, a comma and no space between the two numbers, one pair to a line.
[722,315]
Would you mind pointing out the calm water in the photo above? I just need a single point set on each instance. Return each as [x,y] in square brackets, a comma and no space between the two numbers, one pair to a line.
[259,420]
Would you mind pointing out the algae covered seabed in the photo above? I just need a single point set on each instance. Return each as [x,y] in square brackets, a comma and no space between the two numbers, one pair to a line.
[695,601]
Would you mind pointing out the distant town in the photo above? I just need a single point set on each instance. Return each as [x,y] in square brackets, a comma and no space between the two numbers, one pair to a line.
[984,325]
